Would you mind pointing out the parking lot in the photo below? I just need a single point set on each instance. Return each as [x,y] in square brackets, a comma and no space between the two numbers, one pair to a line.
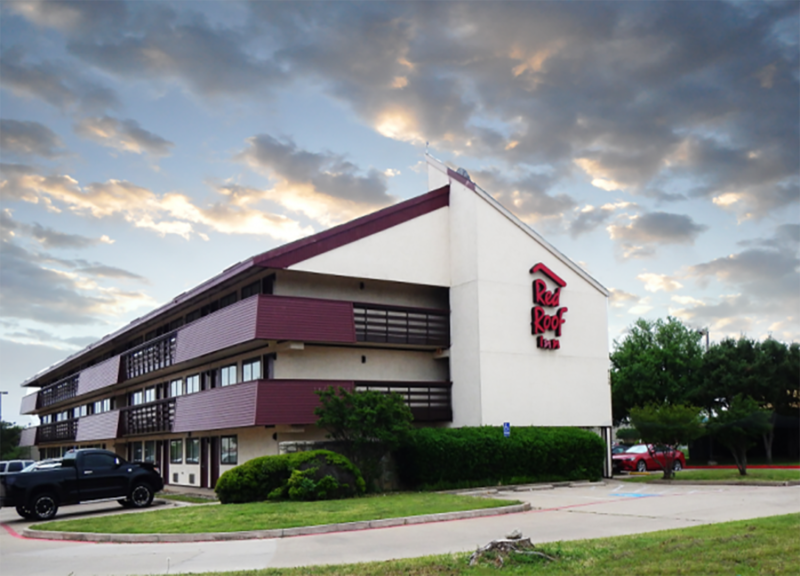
[565,513]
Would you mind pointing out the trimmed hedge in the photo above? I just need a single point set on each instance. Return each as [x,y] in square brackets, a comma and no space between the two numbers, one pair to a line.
[441,458]
[314,475]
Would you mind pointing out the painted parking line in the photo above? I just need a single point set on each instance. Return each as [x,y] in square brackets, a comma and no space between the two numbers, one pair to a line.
[635,495]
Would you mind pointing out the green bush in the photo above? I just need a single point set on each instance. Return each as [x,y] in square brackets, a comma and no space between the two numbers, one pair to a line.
[440,458]
[315,475]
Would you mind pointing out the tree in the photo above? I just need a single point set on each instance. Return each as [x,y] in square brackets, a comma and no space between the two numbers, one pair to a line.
[628,435]
[768,372]
[729,368]
[737,426]
[667,425]
[792,375]
[9,441]
[367,424]
[778,390]
[658,362]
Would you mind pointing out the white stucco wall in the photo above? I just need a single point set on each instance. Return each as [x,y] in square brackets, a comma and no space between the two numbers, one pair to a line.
[498,372]
[465,359]
[339,363]
[293,283]
[253,442]
[416,251]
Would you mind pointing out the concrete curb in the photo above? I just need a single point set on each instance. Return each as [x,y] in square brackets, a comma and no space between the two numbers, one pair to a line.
[523,487]
[279,533]
[778,483]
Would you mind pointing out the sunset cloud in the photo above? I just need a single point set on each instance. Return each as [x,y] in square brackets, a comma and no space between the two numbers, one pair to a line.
[659,282]
[29,139]
[123,135]
[323,186]
[170,213]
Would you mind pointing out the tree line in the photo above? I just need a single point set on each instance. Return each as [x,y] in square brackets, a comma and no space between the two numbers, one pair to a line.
[664,382]
[9,441]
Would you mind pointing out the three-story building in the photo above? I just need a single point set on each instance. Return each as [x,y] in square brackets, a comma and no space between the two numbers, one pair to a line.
[447,299]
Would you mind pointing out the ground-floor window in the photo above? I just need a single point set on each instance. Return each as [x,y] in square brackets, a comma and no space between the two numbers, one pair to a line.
[193,451]
[176,451]
[229,453]
[136,452]
[150,451]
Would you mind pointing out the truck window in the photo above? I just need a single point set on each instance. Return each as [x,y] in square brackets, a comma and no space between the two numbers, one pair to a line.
[99,461]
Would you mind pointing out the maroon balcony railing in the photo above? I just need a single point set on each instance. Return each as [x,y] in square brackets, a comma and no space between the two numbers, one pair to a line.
[429,401]
[62,390]
[148,418]
[398,325]
[150,356]
[64,430]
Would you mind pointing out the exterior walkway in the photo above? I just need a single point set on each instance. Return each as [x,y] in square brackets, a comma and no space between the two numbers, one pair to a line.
[585,511]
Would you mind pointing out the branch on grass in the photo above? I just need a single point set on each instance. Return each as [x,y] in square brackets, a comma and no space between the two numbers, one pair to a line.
[504,547]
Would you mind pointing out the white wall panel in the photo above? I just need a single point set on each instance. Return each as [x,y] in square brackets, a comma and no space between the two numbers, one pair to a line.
[291,283]
[494,351]
[416,251]
[328,363]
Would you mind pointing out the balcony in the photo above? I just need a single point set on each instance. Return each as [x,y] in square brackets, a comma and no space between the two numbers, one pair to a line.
[150,356]
[64,389]
[57,431]
[429,401]
[274,402]
[399,325]
[148,418]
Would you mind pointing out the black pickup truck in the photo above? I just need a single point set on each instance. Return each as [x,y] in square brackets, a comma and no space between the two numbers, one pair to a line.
[84,475]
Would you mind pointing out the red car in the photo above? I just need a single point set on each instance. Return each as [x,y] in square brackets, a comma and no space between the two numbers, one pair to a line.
[640,459]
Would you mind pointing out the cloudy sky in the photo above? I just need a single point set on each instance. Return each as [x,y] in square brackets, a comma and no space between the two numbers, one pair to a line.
[147,146]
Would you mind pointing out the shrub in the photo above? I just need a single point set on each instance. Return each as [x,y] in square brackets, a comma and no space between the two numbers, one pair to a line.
[315,475]
[367,425]
[439,458]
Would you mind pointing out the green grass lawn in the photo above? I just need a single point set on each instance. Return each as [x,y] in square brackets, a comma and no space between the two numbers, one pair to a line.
[272,515]
[753,475]
[765,546]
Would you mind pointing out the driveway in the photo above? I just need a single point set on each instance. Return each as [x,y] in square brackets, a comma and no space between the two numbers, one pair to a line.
[588,511]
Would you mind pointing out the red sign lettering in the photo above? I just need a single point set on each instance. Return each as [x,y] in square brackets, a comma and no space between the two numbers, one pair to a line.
[541,320]
[542,296]
[544,343]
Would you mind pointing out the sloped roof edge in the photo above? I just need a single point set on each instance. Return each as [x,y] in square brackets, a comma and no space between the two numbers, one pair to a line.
[223,276]
[442,167]
[282,257]
[327,240]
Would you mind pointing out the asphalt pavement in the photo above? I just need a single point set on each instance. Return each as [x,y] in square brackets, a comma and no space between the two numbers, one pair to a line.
[565,513]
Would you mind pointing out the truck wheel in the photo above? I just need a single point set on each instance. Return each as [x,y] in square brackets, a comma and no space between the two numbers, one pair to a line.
[24,512]
[44,506]
[141,496]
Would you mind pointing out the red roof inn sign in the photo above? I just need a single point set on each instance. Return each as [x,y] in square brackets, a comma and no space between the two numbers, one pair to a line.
[543,318]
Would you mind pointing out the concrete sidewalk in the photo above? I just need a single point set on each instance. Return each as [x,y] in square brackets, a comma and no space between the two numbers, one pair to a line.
[571,513]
